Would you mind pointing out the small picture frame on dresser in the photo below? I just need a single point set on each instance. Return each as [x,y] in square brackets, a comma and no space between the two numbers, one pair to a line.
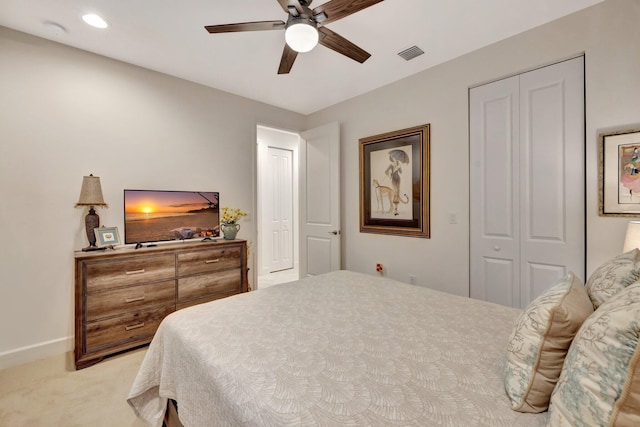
[107,236]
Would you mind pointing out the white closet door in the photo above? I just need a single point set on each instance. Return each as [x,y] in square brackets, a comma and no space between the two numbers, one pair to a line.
[495,198]
[280,208]
[552,176]
[527,183]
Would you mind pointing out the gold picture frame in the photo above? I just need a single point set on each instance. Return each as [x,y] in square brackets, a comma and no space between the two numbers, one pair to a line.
[619,178]
[107,236]
[394,183]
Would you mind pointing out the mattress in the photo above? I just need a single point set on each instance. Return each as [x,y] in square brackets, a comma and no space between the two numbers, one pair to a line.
[342,348]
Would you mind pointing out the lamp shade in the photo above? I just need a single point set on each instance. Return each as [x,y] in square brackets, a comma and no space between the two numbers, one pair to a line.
[301,36]
[632,239]
[91,192]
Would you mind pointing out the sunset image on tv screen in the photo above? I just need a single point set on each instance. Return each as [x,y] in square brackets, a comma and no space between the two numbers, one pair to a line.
[151,215]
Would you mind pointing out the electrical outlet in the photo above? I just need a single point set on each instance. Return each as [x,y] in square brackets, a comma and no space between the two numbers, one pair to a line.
[412,279]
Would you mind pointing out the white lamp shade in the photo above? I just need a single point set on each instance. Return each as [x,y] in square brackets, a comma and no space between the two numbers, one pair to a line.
[301,37]
[632,239]
[91,192]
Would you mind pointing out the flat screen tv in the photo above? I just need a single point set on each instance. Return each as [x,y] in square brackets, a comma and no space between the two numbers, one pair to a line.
[155,216]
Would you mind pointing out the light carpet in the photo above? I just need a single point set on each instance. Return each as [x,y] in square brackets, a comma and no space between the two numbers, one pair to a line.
[50,392]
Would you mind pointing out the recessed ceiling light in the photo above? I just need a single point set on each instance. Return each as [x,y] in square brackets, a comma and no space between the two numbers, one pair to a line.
[94,20]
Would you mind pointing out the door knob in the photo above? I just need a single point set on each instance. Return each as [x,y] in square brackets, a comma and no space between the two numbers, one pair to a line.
[334,232]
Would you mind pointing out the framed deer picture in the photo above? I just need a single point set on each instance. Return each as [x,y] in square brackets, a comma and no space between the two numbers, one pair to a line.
[394,183]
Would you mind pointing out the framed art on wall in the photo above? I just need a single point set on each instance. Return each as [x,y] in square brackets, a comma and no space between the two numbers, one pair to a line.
[107,236]
[394,183]
[619,173]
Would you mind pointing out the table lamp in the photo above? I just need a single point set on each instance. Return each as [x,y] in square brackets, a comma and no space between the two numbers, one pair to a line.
[632,238]
[91,195]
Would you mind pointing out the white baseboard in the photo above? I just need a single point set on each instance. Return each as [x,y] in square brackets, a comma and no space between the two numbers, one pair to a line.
[23,355]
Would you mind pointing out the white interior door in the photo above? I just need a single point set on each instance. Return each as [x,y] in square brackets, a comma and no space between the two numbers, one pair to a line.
[552,176]
[527,183]
[266,138]
[495,193]
[279,208]
[320,200]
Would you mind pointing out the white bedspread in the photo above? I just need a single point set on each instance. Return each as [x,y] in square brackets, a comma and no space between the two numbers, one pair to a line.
[333,350]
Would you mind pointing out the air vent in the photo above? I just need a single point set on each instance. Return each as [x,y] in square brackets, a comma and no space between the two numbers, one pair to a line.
[411,53]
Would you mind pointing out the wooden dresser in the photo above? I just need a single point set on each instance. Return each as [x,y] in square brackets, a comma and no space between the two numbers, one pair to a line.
[122,295]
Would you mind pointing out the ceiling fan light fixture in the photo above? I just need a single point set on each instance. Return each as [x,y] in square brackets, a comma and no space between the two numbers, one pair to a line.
[301,35]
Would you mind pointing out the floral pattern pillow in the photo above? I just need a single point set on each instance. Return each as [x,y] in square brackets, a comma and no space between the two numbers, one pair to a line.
[600,380]
[613,276]
[539,343]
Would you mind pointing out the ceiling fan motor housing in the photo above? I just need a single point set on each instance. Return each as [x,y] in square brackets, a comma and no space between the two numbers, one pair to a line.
[301,19]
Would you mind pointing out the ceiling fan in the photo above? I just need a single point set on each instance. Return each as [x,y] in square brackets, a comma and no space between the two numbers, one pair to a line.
[305,28]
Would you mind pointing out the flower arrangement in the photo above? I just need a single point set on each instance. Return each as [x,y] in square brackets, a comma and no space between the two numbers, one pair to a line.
[231,215]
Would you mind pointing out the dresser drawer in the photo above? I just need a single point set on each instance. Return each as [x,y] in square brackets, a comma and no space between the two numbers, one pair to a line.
[128,328]
[208,261]
[134,298]
[129,271]
[208,298]
[224,282]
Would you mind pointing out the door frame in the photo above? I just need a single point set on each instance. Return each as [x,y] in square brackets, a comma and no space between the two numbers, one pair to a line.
[261,152]
[277,200]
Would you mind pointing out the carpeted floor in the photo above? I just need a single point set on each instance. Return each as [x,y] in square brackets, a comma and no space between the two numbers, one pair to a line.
[52,393]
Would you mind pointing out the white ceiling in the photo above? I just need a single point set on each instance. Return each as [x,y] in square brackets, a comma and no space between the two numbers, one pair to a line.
[169,36]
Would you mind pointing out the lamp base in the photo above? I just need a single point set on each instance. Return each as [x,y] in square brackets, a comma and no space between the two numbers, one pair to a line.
[91,222]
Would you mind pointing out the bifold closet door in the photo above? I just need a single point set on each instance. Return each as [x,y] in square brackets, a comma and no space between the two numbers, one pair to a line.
[495,191]
[527,183]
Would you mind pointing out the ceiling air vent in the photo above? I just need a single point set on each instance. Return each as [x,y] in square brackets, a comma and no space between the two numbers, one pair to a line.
[411,53]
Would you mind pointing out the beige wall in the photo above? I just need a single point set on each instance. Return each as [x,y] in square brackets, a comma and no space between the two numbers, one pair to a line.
[607,33]
[65,113]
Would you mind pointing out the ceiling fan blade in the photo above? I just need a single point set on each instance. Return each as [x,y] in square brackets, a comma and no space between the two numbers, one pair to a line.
[245,26]
[288,57]
[336,9]
[341,45]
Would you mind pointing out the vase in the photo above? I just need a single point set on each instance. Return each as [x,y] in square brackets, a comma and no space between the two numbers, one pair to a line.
[230,230]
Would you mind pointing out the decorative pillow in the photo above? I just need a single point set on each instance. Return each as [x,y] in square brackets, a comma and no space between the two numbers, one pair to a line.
[613,276]
[600,380]
[539,343]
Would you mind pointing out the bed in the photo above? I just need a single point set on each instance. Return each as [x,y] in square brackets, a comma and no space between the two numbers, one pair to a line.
[342,348]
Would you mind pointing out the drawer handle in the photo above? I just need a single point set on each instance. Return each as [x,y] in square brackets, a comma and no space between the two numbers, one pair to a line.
[211,261]
[136,326]
[134,271]
[134,299]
